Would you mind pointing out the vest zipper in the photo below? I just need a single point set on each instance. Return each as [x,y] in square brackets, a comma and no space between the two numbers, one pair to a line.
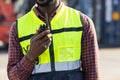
[52,60]
[51,47]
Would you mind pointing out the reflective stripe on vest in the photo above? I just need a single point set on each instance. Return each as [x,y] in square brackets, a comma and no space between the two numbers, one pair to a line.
[65,48]
[59,66]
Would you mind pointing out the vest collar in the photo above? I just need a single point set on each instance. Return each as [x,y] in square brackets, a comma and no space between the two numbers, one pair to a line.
[59,12]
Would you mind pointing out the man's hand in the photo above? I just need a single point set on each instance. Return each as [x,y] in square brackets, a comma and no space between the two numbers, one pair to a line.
[38,44]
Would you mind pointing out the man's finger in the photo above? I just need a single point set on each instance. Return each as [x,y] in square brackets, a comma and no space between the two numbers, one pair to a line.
[42,34]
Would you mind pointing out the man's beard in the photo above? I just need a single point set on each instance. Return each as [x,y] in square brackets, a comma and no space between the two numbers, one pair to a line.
[44,4]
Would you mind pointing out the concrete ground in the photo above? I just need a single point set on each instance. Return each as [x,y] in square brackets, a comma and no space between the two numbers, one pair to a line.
[109,64]
[3,64]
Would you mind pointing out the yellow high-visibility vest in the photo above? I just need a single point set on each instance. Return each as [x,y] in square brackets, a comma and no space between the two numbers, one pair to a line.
[64,52]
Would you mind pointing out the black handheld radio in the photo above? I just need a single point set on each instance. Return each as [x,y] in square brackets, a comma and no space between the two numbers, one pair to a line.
[43,28]
[46,25]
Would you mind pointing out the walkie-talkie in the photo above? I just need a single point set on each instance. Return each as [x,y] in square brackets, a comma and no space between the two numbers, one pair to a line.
[43,28]
[46,25]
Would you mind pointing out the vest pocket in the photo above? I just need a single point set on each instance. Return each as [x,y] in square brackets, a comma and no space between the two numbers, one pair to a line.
[65,54]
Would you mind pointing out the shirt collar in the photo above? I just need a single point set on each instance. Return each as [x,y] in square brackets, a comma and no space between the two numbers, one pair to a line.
[41,15]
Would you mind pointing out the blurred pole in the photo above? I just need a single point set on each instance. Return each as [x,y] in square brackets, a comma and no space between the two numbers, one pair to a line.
[107,29]
[102,21]
[116,18]
[119,24]
[97,17]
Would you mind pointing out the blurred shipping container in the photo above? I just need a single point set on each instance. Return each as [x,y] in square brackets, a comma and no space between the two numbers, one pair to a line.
[106,16]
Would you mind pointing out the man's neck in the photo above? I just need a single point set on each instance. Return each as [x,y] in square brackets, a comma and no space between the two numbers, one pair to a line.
[49,9]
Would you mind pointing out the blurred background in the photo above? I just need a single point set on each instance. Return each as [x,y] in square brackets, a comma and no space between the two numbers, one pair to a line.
[105,15]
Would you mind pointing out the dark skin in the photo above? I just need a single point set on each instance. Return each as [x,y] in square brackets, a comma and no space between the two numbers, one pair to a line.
[50,7]
[41,41]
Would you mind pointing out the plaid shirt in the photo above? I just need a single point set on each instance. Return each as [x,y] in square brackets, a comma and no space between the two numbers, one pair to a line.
[20,68]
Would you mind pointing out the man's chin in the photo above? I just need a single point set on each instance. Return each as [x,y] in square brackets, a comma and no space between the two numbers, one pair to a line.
[44,4]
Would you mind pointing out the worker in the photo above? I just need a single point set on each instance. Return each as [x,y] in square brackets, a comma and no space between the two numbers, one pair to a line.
[53,42]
